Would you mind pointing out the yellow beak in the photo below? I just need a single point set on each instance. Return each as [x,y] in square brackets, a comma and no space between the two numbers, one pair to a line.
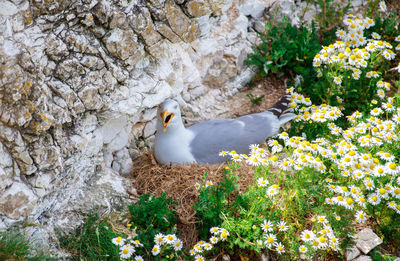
[166,118]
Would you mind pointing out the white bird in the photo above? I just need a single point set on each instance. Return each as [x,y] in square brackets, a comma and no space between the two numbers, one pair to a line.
[201,143]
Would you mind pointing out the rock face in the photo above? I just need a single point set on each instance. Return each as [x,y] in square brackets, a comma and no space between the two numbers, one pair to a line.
[80,82]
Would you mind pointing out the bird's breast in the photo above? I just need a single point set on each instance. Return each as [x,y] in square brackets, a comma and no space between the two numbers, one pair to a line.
[174,148]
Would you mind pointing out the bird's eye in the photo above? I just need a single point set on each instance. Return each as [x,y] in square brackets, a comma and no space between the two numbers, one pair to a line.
[176,107]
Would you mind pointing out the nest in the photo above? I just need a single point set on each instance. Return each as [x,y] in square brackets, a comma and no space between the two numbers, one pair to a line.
[178,182]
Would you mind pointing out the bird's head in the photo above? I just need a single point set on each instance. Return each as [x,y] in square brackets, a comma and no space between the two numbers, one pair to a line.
[169,115]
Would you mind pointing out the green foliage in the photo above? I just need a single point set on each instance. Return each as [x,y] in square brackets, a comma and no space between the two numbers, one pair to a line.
[285,48]
[14,246]
[152,215]
[255,99]
[91,241]
[332,13]
[378,256]
[213,201]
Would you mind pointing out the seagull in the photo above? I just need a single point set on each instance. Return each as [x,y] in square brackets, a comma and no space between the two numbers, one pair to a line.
[201,143]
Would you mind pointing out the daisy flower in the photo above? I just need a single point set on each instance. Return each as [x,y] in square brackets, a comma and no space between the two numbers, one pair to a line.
[136,243]
[322,219]
[374,199]
[280,248]
[215,230]
[396,192]
[337,80]
[169,239]
[380,93]
[307,235]
[303,249]
[267,226]
[262,182]
[223,153]
[207,246]
[269,240]
[156,250]
[382,6]
[272,191]
[159,238]
[376,36]
[361,216]
[126,251]
[139,258]
[392,168]
[254,160]
[224,234]
[178,245]
[119,241]
[392,205]
[213,240]
[199,258]
[282,226]
[382,193]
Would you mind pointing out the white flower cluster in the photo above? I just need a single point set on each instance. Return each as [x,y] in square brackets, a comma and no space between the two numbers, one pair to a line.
[207,184]
[218,234]
[270,239]
[353,53]
[170,240]
[322,239]
[127,247]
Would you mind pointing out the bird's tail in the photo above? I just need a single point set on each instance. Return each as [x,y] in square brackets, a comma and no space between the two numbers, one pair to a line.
[280,109]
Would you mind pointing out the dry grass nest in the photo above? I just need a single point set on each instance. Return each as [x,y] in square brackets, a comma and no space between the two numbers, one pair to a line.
[178,182]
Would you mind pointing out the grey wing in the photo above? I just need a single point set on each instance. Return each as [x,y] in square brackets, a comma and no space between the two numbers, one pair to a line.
[212,137]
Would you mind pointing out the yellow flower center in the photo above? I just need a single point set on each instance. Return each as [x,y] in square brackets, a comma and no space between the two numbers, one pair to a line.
[349,201]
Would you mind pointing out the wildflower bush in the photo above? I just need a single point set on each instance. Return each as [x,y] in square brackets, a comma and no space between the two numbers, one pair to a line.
[323,186]
[352,68]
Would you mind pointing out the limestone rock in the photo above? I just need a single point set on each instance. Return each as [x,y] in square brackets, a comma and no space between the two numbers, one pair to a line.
[253,8]
[90,97]
[143,25]
[363,258]
[181,24]
[7,8]
[5,180]
[56,49]
[220,72]
[198,8]
[17,202]
[102,11]
[352,253]
[121,44]
[367,240]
